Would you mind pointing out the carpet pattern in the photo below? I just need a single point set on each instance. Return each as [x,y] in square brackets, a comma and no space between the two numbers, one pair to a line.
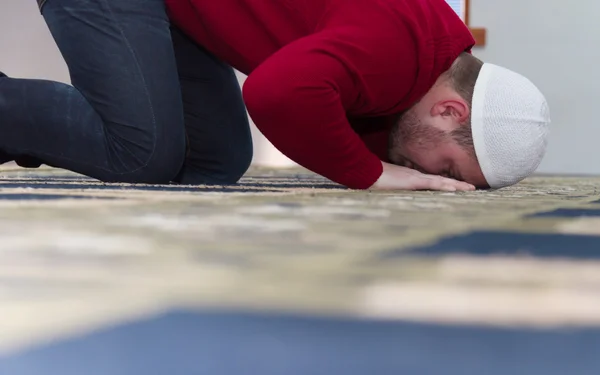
[510,276]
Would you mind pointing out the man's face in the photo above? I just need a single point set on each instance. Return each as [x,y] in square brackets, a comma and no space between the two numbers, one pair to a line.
[431,149]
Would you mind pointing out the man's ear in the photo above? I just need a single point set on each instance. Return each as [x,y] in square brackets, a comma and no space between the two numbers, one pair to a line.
[456,109]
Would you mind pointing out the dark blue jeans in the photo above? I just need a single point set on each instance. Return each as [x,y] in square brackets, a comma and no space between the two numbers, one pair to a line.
[147,104]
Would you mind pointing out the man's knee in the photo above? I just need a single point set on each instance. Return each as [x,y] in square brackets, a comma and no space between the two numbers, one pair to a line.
[149,162]
[162,169]
[230,167]
[238,163]
[224,169]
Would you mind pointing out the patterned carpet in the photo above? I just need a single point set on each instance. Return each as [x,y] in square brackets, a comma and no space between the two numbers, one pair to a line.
[289,274]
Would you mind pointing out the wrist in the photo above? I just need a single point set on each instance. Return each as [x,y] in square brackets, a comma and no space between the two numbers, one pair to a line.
[381,181]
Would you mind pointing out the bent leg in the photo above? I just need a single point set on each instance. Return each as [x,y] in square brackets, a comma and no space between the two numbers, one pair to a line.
[122,120]
[216,121]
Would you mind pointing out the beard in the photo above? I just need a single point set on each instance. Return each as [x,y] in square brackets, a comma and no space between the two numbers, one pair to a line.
[410,136]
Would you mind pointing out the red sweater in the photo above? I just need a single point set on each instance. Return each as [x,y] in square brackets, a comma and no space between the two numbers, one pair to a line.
[326,77]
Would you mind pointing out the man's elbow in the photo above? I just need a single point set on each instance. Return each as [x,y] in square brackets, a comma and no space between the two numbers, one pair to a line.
[267,101]
[256,97]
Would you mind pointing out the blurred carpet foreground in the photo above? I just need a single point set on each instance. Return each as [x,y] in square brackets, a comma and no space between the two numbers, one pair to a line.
[288,274]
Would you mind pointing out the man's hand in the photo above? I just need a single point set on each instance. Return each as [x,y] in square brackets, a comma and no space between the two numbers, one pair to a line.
[401,178]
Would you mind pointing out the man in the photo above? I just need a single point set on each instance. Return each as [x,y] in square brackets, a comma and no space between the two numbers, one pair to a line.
[372,94]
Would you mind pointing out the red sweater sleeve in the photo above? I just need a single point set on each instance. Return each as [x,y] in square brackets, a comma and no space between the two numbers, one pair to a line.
[299,99]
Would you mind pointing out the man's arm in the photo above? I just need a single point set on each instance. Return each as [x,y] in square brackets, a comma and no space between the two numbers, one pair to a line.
[298,99]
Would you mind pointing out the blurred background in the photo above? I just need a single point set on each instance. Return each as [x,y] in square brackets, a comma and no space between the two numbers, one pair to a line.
[550,41]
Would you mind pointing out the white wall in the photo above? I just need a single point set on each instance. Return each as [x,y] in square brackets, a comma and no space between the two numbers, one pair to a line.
[555,47]
[555,44]
[26,47]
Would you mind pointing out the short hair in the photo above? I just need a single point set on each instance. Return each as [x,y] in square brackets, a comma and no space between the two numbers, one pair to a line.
[462,77]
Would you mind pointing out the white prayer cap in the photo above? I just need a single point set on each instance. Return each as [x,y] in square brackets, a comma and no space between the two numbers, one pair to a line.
[510,122]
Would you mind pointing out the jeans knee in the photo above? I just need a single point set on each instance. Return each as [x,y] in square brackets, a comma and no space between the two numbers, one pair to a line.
[239,164]
[162,167]
[156,164]
[221,170]
[231,167]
